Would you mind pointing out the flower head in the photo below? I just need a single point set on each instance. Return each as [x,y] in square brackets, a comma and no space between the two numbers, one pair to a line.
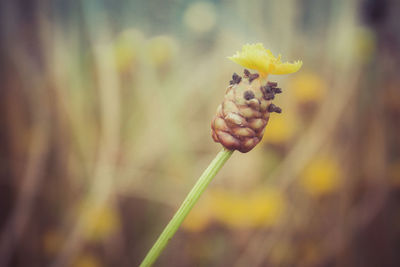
[255,56]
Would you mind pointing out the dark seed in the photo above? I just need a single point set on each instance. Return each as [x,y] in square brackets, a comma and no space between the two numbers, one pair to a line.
[235,79]
[269,96]
[273,108]
[252,77]
[277,90]
[267,89]
[272,84]
[248,95]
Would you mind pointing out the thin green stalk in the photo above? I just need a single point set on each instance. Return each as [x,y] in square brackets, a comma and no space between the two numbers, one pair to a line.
[186,206]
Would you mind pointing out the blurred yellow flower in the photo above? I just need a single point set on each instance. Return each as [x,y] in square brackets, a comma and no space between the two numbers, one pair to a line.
[161,50]
[127,48]
[266,207]
[86,260]
[262,208]
[281,128]
[256,57]
[308,87]
[99,222]
[321,176]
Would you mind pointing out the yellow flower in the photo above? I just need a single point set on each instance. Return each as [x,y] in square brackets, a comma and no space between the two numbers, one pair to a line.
[321,176]
[99,222]
[281,129]
[256,57]
[260,208]
[161,50]
[127,49]
[308,87]
[87,260]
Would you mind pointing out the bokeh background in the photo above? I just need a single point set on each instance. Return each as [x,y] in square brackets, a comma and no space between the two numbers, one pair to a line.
[105,110]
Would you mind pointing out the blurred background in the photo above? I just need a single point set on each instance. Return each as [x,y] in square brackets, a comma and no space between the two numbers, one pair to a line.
[105,110]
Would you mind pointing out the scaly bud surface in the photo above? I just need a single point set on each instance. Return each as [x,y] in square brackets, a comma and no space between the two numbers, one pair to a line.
[241,118]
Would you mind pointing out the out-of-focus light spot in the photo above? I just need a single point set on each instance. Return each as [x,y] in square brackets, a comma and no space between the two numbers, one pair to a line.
[86,260]
[161,50]
[100,222]
[308,87]
[128,47]
[200,17]
[280,128]
[267,207]
[263,208]
[321,176]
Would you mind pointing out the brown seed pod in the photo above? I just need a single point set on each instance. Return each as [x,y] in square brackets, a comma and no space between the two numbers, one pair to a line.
[241,118]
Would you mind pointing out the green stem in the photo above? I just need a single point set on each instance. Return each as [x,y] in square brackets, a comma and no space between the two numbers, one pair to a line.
[186,206]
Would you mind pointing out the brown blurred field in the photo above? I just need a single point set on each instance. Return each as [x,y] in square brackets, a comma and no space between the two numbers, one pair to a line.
[105,110]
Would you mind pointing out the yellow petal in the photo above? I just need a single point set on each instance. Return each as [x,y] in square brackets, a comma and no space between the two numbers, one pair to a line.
[256,57]
[286,68]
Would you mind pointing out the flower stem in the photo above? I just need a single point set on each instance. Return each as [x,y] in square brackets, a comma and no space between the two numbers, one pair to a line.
[186,206]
